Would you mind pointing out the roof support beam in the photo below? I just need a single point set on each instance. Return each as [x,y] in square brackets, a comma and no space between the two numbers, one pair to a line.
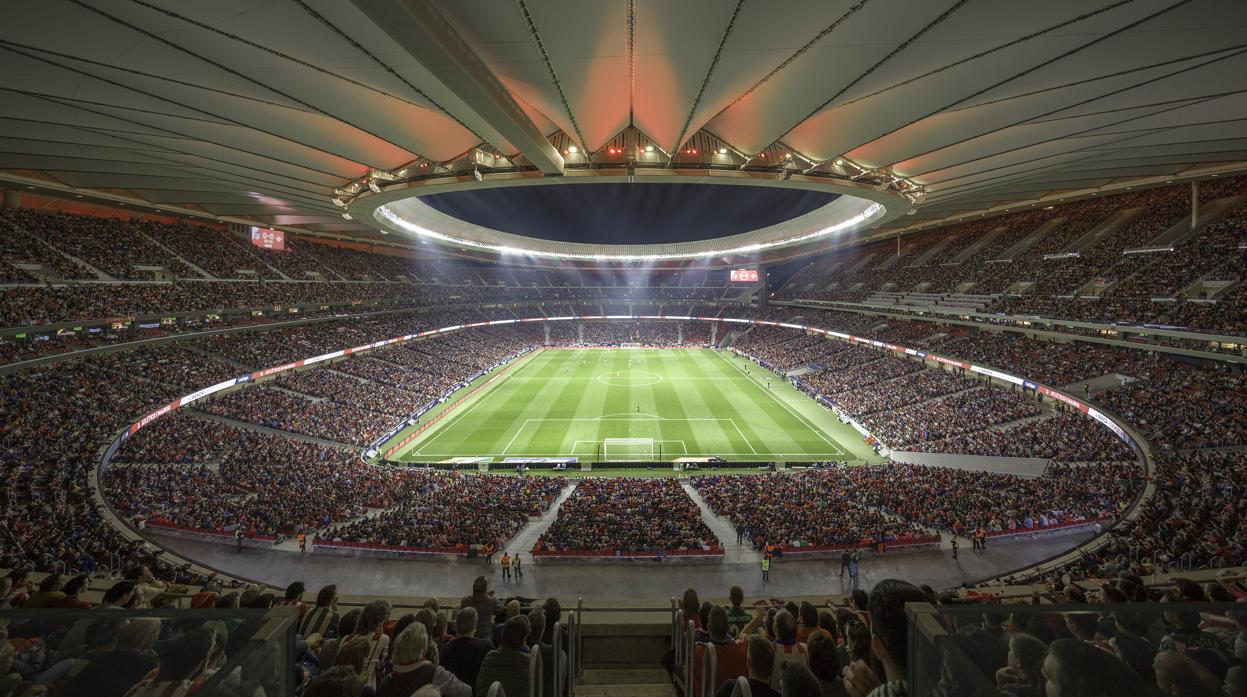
[425,33]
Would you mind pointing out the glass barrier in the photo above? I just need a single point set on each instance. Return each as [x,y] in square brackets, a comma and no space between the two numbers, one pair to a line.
[1076,649]
[105,652]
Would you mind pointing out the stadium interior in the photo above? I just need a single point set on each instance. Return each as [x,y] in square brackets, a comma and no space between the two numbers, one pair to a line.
[534,348]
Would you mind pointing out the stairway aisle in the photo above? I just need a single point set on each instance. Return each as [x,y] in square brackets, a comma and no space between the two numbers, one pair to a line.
[723,529]
[527,536]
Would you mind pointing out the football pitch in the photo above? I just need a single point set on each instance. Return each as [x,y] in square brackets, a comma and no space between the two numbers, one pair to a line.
[615,405]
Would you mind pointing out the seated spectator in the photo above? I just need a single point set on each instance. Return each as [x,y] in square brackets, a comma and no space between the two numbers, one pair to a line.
[729,653]
[413,670]
[464,654]
[787,648]
[1023,675]
[824,663]
[1077,669]
[889,641]
[796,680]
[323,618]
[759,663]
[185,663]
[507,664]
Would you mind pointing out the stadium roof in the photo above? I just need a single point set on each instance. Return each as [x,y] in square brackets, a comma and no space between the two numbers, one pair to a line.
[266,111]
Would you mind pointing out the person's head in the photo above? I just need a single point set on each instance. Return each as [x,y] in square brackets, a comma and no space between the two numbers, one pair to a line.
[690,604]
[186,656]
[554,614]
[808,614]
[75,585]
[857,639]
[229,601]
[429,619]
[338,681]
[295,591]
[888,625]
[1182,676]
[51,582]
[348,622]
[827,622]
[372,617]
[536,626]
[1026,654]
[512,609]
[402,623]
[703,613]
[736,595]
[795,680]
[465,622]
[1082,624]
[1138,653]
[410,646]
[1075,668]
[327,595]
[759,657]
[139,634]
[785,628]
[822,656]
[859,599]
[514,632]
[716,625]
[119,594]
[480,586]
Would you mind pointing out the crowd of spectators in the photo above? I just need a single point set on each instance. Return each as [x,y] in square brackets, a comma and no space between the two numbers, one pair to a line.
[274,408]
[451,510]
[627,515]
[775,509]
[1178,406]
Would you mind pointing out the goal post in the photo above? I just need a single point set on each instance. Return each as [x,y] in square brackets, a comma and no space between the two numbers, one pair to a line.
[628,450]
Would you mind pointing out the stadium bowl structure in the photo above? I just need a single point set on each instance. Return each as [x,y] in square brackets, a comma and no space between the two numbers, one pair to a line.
[399,208]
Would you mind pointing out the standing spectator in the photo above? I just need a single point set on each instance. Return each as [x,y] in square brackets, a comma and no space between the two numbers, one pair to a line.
[507,664]
[729,653]
[485,604]
[825,665]
[737,616]
[505,563]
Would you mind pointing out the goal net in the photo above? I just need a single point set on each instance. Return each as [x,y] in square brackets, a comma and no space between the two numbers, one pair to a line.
[628,449]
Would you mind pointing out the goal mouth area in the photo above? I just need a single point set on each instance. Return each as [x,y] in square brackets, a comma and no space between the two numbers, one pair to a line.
[627,450]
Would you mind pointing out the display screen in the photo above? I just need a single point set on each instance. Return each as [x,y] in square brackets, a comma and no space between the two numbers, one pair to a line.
[744,275]
[268,238]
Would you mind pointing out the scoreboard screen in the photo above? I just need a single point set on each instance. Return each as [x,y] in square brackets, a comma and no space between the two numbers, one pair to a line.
[268,238]
[744,275]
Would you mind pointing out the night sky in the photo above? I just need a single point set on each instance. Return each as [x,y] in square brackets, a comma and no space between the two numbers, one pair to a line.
[621,213]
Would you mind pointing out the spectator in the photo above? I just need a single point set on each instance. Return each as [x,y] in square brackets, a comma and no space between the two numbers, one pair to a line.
[323,618]
[338,681]
[729,653]
[889,641]
[1077,669]
[796,680]
[507,664]
[760,661]
[1023,675]
[464,654]
[824,663]
[413,670]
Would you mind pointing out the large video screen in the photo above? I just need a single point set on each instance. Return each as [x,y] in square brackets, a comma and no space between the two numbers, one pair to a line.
[744,275]
[268,238]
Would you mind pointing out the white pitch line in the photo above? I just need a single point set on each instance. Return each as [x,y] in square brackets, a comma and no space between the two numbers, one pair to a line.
[517,435]
[790,410]
[742,435]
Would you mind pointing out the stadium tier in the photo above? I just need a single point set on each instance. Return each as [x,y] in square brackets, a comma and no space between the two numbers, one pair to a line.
[544,349]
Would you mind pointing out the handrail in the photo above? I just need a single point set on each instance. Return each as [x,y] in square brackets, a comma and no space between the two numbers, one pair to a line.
[573,633]
[495,690]
[740,689]
[709,669]
[689,657]
[579,665]
[677,649]
[534,673]
[557,656]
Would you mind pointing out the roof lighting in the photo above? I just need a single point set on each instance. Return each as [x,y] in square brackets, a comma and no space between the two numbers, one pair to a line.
[722,151]
[573,148]
[649,148]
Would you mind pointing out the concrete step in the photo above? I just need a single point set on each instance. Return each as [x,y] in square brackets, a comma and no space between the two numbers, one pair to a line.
[634,690]
[600,674]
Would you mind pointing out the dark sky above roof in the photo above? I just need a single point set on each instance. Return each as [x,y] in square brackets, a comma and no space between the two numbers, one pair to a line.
[628,213]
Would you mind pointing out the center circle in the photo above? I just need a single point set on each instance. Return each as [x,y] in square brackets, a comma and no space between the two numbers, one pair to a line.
[630,378]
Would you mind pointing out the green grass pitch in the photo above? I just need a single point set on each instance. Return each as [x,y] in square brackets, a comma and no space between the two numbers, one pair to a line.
[689,402]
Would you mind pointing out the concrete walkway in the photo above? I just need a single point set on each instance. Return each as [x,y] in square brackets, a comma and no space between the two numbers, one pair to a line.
[723,529]
[527,537]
